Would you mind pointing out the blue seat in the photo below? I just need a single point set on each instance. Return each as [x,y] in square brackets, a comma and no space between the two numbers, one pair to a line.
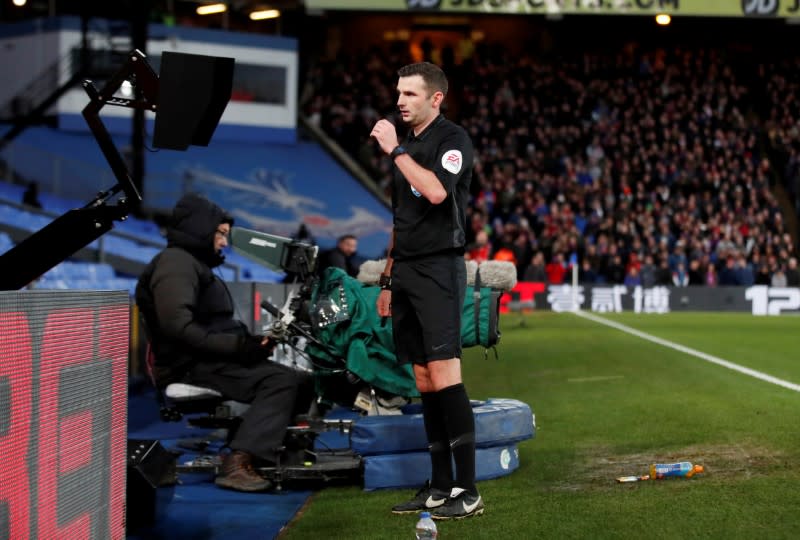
[129,249]
[59,205]
[81,271]
[11,192]
[49,283]
[249,270]
[22,219]
[110,284]
[5,242]
[260,274]
[146,230]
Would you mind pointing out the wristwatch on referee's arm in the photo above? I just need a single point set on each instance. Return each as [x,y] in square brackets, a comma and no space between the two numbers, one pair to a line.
[385,282]
[398,150]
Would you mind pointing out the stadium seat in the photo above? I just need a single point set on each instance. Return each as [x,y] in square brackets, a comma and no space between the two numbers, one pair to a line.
[11,192]
[5,242]
[22,219]
[179,399]
[81,271]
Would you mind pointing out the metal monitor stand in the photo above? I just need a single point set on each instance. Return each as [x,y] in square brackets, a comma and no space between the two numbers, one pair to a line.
[79,227]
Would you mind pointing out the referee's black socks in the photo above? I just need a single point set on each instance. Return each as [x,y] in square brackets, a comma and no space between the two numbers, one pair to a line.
[460,424]
[438,444]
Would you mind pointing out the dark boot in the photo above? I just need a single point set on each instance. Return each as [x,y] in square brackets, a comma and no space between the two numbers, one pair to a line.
[237,473]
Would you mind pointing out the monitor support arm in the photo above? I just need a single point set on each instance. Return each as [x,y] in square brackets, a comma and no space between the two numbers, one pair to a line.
[146,86]
[79,227]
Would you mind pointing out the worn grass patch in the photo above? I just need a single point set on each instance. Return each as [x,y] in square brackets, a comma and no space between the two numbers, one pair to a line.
[598,468]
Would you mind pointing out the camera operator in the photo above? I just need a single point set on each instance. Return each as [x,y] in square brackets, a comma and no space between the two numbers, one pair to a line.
[195,339]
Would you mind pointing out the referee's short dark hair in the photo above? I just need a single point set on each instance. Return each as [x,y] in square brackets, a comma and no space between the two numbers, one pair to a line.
[434,77]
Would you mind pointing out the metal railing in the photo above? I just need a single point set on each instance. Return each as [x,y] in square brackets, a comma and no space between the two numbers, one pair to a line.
[40,87]
[59,175]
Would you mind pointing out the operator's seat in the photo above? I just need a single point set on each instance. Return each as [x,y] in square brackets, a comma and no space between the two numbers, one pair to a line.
[179,399]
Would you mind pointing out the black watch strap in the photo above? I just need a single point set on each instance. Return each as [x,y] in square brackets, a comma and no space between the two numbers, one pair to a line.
[397,151]
[385,281]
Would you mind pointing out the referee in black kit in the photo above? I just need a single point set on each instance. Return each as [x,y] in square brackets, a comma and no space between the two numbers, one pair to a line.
[425,279]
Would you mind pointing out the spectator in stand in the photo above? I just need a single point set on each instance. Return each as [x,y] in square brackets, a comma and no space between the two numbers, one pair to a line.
[711,279]
[743,271]
[592,256]
[535,272]
[792,273]
[523,251]
[763,276]
[726,245]
[664,275]
[633,262]
[680,277]
[648,272]
[480,249]
[778,278]
[615,272]
[343,256]
[588,145]
[586,274]
[632,278]
[477,222]
[678,258]
[727,275]
[695,272]
[556,270]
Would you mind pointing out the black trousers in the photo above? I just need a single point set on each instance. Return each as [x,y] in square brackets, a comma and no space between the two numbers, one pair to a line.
[275,393]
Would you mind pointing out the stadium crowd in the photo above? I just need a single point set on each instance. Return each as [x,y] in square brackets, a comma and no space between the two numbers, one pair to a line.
[642,167]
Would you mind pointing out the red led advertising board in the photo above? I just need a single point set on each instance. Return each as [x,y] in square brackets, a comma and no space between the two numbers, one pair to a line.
[63,414]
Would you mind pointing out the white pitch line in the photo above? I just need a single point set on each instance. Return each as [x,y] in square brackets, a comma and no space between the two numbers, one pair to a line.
[693,352]
[601,378]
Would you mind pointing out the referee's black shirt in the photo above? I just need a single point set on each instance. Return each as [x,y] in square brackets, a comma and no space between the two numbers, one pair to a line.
[422,228]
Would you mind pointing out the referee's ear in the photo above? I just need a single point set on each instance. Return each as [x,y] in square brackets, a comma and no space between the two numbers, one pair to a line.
[436,99]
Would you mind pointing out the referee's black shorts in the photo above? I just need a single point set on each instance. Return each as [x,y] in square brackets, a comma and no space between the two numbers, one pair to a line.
[427,299]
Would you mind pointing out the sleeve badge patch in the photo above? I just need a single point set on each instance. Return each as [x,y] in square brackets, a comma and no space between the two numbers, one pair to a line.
[452,161]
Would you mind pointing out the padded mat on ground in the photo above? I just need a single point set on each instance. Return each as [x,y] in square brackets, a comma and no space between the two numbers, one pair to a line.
[498,421]
[410,470]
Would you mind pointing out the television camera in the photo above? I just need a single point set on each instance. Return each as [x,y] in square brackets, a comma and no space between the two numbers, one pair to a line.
[299,261]
[311,308]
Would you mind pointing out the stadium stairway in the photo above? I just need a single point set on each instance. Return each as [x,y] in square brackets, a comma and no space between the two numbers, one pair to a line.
[788,211]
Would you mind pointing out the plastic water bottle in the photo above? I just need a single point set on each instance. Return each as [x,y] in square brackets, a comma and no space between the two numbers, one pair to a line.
[426,527]
[683,469]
